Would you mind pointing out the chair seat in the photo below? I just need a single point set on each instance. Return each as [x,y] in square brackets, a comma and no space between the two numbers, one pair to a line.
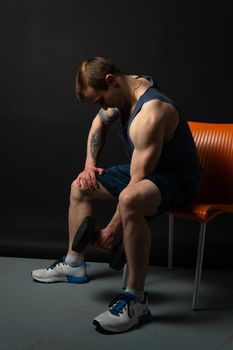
[202,212]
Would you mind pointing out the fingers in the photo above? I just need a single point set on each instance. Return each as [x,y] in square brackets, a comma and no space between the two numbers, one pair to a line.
[105,239]
[100,171]
[87,178]
[84,180]
[93,181]
[78,180]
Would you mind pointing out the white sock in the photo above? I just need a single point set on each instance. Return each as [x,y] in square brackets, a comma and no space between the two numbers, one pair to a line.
[74,260]
[139,295]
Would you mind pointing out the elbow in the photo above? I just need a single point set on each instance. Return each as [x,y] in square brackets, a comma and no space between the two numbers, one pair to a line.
[138,176]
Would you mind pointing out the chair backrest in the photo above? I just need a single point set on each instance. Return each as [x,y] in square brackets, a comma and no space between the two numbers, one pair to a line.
[214,144]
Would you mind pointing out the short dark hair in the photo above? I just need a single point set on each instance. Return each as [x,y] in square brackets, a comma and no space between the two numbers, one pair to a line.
[92,72]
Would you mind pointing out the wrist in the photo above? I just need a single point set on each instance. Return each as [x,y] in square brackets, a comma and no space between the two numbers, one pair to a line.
[90,165]
[115,223]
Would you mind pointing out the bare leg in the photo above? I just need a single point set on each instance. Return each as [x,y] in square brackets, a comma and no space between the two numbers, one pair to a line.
[137,242]
[136,202]
[73,269]
[81,206]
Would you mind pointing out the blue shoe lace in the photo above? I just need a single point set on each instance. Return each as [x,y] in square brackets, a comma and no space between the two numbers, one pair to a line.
[59,261]
[121,302]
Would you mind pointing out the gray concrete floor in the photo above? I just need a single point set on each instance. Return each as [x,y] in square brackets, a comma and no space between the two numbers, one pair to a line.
[36,316]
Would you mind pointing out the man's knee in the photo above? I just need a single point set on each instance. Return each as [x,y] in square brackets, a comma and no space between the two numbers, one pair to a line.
[134,201]
[129,201]
[78,193]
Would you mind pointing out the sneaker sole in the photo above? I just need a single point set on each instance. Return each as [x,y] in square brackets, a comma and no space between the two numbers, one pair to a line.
[141,320]
[68,279]
[100,329]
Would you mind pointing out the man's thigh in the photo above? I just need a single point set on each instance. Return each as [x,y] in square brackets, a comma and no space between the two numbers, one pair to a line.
[115,179]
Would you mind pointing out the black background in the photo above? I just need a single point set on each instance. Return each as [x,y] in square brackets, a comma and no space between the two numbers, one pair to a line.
[185,45]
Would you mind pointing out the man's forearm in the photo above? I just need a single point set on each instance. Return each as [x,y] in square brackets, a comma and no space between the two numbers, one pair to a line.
[115,222]
[95,143]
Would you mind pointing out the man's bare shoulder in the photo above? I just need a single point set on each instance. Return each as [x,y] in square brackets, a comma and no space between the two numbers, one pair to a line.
[156,118]
[152,113]
[158,108]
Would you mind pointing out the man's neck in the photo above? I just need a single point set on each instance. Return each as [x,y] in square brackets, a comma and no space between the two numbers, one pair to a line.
[132,88]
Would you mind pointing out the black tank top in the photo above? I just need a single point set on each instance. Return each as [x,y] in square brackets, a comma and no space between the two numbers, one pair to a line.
[180,155]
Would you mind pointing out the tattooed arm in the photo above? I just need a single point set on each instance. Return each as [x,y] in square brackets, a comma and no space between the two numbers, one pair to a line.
[96,137]
[95,142]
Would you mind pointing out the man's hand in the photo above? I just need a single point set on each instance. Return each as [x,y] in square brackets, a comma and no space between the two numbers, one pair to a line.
[106,239]
[87,178]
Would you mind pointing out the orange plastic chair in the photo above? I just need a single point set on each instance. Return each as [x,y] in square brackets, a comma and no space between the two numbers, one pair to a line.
[214,144]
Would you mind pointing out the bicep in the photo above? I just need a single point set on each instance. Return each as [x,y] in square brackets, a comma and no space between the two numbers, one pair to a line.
[148,142]
[144,159]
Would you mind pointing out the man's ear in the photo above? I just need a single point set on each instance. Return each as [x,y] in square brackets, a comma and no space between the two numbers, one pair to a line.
[111,79]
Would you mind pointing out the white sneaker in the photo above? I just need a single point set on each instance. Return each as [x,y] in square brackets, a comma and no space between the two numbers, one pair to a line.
[59,271]
[124,313]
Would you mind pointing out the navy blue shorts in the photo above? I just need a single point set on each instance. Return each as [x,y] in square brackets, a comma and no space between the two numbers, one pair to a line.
[173,192]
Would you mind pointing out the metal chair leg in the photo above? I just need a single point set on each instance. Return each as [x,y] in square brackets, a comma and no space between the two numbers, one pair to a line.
[125,277]
[201,243]
[170,242]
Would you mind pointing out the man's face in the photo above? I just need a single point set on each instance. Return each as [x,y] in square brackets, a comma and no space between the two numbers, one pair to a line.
[104,98]
[111,98]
